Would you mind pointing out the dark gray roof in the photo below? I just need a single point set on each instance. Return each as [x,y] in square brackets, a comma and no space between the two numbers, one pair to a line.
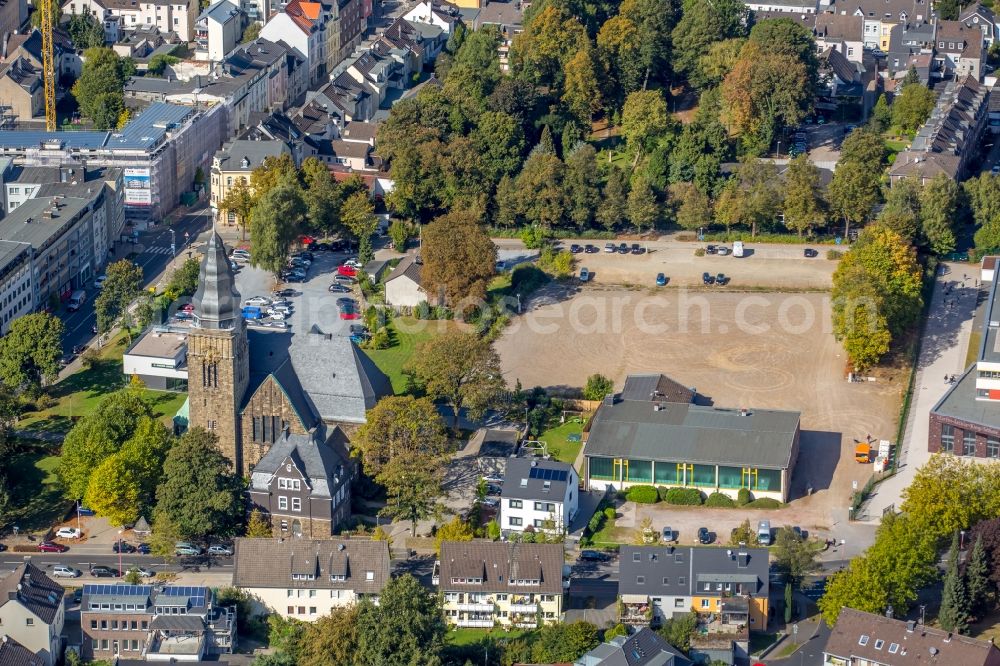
[410,267]
[989,346]
[29,586]
[220,12]
[317,457]
[186,623]
[497,563]
[270,563]
[247,155]
[643,648]
[959,402]
[217,302]
[656,387]
[672,432]
[526,478]
[13,653]
[28,222]
[672,571]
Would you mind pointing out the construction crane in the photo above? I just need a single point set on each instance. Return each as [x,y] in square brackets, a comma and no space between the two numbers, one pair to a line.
[48,66]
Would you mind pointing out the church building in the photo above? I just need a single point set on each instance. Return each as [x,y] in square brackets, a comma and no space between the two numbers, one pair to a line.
[283,404]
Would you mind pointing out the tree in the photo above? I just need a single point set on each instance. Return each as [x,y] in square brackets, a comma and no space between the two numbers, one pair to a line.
[598,387]
[881,114]
[199,492]
[120,289]
[654,20]
[98,436]
[988,531]
[565,642]
[643,206]
[274,225]
[358,215]
[938,213]
[406,628]
[159,63]
[744,534]
[550,38]
[619,45]
[583,185]
[977,579]
[184,280]
[692,208]
[794,556]
[678,629]
[645,120]
[84,31]
[949,10]
[789,602]
[955,603]
[752,197]
[856,184]
[454,530]
[581,95]
[29,353]
[399,233]
[331,640]
[984,198]
[459,259]
[499,138]
[403,446]
[238,202]
[610,212]
[803,205]
[251,32]
[786,38]
[704,22]
[274,170]
[258,527]
[913,106]
[717,62]
[948,495]
[541,193]
[459,368]
[36,15]
[99,90]
[901,211]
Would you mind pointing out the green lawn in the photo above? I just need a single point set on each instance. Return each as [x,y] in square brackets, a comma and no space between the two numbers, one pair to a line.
[79,393]
[560,446]
[464,636]
[36,496]
[972,353]
[610,535]
[405,333]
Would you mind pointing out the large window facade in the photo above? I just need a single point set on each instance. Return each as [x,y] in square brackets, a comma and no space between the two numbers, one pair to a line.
[631,470]
[947,438]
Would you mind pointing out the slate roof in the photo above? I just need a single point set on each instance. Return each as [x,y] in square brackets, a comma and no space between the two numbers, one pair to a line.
[673,571]
[320,459]
[270,563]
[839,26]
[656,386]
[22,73]
[185,623]
[914,644]
[220,12]
[498,562]
[408,267]
[959,402]
[13,653]
[643,648]
[843,69]
[38,593]
[231,155]
[525,479]
[670,432]
[41,231]
[360,131]
[351,149]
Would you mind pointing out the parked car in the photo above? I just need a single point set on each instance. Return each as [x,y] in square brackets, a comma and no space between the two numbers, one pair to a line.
[669,535]
[575,249]
[721,279]
[707,278]
[257,301]
[800,533]
[79,349]
[493,489]
[305,254]
[63,571]
[187,307]
[186,548]
[610,248]
[710,249]
[661,280]
[143,571]
[274,323]
[995,170]
[638,249]
[358,329]
[360,338]
[343,279]
[704,536]
[590,249]
[352,262]
[84,511]
[339,289]
[183,316]
[66,359]
[49,547]
[220,549]
[493,479]
[99,282]
[623,248]
[68,533]
[593,556]
[104,572]
[122,547]
[810,253]
[491,502]
[349,314]
[722,251]
[143,549]
[584,275]
[283,293]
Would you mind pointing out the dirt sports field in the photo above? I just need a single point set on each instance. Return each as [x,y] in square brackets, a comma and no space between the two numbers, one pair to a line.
[752,349]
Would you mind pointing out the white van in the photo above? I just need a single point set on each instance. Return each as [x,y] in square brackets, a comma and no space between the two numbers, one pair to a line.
[764,532]
[78,298]
[738,249]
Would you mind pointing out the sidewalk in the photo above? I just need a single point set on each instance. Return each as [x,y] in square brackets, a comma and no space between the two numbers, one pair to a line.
[942,353]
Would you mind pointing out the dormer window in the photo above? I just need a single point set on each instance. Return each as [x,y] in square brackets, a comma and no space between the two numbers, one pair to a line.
[338,578]
[245,163]
[303,577]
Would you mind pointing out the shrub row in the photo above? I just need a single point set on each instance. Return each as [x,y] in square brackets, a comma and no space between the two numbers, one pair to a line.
[682,496]
[642,495]
[720,500]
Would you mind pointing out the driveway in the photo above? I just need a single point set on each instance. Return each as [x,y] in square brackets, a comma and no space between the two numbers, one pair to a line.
[942,353]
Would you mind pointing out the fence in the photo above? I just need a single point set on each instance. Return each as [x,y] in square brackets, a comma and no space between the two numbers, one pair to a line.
[858,497]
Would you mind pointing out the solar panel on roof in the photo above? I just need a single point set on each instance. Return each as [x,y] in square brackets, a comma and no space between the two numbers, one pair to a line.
[548,474]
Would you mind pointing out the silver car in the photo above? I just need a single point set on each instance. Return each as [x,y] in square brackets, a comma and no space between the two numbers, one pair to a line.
[63,571]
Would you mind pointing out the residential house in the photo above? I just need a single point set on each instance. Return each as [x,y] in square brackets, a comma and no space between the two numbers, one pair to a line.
[911,45]
[217,31]
[360,132]
[68,63]
[876,640]
[168,623]
[949,139]
[880,15]
[301,579]
[141,43]
[13,15]
[15,283]
[841,32]
[959,50]
[643,648]
[352,154]
[276,126]
[235,161]
[444,15]
[486,583]
[13,653]
[978,16]
[653,432]
[421,42]
[32,613]
[345,100]
[784,6]
[21,89]
[403,287]
[994,113]
[347,22]
[842,83]
[168,15]
[542,494]
[302,26]
[508,17]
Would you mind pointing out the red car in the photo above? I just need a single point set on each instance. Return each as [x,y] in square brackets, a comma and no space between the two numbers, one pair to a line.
[347,271]
[349,313]
[49,547]
[307,240]
[187,307]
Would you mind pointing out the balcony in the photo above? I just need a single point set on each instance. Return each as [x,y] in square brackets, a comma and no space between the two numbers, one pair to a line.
[635,613]
[523,606]
[476,607]
[524,620]
[475,624]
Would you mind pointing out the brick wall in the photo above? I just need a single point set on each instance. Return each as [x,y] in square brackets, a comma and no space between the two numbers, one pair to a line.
[982,433]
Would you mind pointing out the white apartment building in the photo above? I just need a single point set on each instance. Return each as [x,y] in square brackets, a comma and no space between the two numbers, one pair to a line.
[32,612]
[301,25]
[168,15]
[537,493]
[217,31]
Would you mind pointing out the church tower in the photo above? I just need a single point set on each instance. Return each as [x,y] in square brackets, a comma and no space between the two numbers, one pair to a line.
[218,356]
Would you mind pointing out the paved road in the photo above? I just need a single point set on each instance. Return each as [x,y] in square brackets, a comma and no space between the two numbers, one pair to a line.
[942,352]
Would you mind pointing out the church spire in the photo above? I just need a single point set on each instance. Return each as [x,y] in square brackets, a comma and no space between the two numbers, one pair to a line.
[216,303]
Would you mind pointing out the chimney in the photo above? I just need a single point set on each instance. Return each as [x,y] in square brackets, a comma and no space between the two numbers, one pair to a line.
[609,400]
[948,638]
[910,626]
[742,559]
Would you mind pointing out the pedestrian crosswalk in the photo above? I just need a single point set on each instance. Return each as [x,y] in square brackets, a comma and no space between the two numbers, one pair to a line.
[158,249]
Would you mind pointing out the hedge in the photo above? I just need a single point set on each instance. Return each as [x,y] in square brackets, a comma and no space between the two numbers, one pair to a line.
[684,496]
[610,513]
[765,503]
[720,500]
[743,497]
[642,495]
